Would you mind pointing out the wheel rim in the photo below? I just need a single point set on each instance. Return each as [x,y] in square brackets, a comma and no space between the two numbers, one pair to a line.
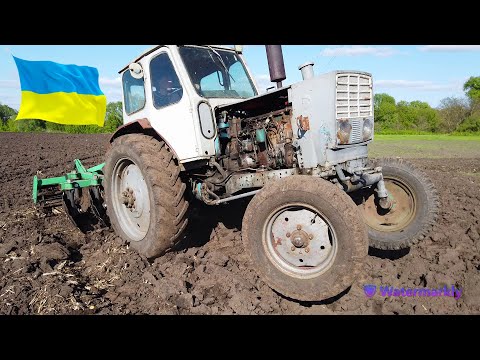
[130,199]
[299,241]
[402,212]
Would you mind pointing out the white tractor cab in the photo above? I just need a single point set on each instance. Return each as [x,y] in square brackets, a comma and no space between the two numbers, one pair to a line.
[194,80]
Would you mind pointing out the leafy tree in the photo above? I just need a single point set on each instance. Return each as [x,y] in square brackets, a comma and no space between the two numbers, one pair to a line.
[54,127]
[470,124]
[426,118]
[9,125]
[452,112]
[472,88]
[404,115]
[31,125]
[385,111]
[407,115]
[113,116]
[6,114]
[384,105]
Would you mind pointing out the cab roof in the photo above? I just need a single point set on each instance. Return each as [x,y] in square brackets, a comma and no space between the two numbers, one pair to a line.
[149,51]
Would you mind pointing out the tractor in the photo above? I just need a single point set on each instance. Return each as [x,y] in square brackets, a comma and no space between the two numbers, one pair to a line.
[198,129]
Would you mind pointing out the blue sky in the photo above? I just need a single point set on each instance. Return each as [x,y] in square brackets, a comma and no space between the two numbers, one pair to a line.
[407,72]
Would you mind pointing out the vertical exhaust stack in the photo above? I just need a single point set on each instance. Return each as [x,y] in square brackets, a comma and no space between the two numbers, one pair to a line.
[307,70]
[276,65]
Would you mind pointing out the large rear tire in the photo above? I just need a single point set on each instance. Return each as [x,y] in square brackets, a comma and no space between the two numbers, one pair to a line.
[305,237]
[145,195]
[415,206]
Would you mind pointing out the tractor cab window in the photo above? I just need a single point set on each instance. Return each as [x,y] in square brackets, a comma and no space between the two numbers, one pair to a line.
[133,93]
[166,88]
[217,73]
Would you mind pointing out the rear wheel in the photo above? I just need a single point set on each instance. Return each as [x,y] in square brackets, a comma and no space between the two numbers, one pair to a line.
[414,207]
[145,195]
[305,237]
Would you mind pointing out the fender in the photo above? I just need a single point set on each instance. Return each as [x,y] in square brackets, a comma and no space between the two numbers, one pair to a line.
[141,126]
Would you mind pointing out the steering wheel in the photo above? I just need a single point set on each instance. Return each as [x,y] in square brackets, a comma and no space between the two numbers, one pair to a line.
[173,90]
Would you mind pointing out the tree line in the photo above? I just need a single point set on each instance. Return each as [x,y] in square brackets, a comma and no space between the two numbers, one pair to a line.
[453,115]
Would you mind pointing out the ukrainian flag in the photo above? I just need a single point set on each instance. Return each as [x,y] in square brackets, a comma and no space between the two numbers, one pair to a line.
[63,94]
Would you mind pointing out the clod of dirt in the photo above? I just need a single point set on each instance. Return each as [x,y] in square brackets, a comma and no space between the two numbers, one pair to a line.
[184,301]
[6,248]
[52,251]
[473,234]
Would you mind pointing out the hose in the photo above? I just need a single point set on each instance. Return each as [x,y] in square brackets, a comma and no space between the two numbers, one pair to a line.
[219,168]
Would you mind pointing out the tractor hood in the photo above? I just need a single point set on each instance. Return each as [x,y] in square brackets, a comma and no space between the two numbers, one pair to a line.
[260,104]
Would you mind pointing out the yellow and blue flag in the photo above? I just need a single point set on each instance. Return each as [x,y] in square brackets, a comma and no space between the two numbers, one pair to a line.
[63,94]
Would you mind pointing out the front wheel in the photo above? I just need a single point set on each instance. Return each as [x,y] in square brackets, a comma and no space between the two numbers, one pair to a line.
[145,195]
[414,207]
[305,237]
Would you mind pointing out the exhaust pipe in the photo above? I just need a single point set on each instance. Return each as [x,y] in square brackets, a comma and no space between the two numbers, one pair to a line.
[307,70]
[276,65]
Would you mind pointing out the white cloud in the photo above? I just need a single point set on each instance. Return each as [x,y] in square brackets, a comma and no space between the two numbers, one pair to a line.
[359,50]
[451,48]
[106,82]
[112,88]
[10,93]
[419,85]
[113,95]
[10,100]
[263,82]
[10,84]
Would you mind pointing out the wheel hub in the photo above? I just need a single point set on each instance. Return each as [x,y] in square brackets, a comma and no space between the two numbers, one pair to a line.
[299,242]
[129,198]
[132,203]
[395,213]
[386,203]
[299,239]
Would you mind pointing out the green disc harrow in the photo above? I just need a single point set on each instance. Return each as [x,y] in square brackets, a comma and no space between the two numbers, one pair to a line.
[79,192]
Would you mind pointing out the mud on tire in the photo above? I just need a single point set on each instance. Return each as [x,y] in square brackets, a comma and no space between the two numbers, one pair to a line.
[165,199]
[279,268]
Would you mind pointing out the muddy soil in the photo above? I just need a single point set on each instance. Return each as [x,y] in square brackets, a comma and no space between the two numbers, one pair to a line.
[48,266]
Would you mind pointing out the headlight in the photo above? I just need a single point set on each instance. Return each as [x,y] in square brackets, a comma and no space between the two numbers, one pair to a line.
[367,129]
[344,130]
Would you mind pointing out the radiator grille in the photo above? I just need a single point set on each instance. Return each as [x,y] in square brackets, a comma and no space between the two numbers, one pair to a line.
[356,134]
[354,96]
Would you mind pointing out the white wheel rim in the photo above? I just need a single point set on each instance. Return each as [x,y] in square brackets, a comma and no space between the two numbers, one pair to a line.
[131,200]
[299,241]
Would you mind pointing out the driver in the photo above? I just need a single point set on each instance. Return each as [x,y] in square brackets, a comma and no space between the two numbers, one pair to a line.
[165,92]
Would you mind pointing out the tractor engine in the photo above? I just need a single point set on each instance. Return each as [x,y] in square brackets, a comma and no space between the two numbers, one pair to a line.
[263,141]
